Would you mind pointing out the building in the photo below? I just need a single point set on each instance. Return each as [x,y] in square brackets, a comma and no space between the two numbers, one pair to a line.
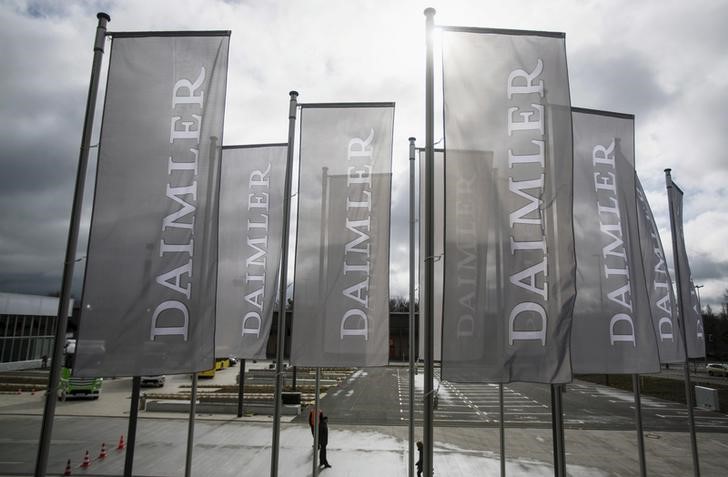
[27,329]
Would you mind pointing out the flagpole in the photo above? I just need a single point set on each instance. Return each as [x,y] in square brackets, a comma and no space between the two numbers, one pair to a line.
[412,309]
[638,417]
[557,431]
[323,285]
[429,245]
[502,426]
[241,387]
[554,437]
[191,427]
[136,384]
[70,259]
[681,310]
[316,422]
[282,284]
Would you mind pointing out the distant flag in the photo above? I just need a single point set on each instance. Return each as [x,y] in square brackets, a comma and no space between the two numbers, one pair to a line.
[613,330]
[508,183]
[251,217]
[341,285]
[659,285]
[438,262]
[148,304]
[688,300]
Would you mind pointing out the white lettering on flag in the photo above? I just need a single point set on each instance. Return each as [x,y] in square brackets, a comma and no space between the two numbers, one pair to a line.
[527,222]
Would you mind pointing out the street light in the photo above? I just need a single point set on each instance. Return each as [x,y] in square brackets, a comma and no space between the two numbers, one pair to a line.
[697,290]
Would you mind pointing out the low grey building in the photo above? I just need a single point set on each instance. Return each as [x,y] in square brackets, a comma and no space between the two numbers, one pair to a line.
[27,329]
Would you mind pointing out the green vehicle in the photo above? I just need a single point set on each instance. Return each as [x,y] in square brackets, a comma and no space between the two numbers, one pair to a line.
[70,386]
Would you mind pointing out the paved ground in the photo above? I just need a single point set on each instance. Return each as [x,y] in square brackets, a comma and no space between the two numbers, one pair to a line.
[380,396]
[466,434]
[231,447]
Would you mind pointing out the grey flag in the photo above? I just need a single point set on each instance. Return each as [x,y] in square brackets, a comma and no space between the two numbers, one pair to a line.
[613,330]
[688,300]
[341,284]
[251,217]
[148,303]
[438,247]
[472,264]
[508,170]
[659,285]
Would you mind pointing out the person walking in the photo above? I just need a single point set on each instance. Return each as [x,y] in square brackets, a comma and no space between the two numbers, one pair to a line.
[419,459]
[311,420]
[323,441]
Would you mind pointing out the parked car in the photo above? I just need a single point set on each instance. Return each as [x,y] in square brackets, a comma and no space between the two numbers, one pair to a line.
[717,369]
[149,381]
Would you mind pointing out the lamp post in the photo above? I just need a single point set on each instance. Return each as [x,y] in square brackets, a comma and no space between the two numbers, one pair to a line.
[700,308]
[697,290]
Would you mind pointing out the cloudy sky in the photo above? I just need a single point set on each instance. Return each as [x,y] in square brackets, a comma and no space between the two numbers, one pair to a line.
[662,60]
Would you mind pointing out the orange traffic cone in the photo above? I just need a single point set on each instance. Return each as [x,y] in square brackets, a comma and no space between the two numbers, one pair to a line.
[68,468]
[86,461]
[102,454]
[121,443]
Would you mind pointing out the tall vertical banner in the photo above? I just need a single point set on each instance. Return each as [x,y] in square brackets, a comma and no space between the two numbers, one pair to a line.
[148,303]
[341,285]
[471,265]
[694,332]
[438,240]
[509,250]
[251,217]
[613,330]
[659,285]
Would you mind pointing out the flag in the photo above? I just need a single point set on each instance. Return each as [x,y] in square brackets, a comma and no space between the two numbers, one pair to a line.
[251,218]
[688,300]
[659,285]
[471,267]
[438,262]
[341,284]
[508,135]
[148,303]
[612,330]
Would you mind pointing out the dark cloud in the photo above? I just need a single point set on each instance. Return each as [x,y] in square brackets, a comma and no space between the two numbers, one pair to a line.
[616,80]
[59,9]
[705,267]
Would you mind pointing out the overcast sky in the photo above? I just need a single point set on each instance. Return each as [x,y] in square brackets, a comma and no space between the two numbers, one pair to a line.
[662,60]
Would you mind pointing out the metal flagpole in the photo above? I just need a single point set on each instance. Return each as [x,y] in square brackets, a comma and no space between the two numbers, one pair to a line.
[553,429]
[316,423]
[241,388]
[412,309]
[62,321]
[560,416]
[136,385]
[429,245]
[191,427]
[638,416]
[557,424]
[681,310]
[502,426]
[283,281]
[323,286]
